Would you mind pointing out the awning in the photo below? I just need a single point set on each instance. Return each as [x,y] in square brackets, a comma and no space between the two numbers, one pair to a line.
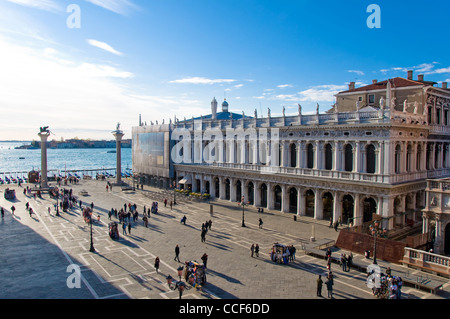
[186,180]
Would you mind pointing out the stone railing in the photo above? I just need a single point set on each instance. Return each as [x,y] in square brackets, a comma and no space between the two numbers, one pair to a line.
[427,261]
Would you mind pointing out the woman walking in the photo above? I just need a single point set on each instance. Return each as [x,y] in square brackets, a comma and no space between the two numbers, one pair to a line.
[157,264]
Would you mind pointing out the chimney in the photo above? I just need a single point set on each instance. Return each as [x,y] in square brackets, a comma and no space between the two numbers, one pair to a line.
[410,75]
[351,86]
[374,81]
[444,85]
[420,78]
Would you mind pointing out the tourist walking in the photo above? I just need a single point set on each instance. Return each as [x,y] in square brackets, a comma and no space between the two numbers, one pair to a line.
[157,264]
[13,209]
[260,223]
[177,253]
[252,249]
[124,228]
[319,286]
[205,259]
[129,227]
[344,262]
[203,235]
[257,250]
[329,283]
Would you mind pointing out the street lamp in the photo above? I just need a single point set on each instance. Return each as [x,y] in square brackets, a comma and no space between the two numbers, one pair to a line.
[375,231]
[174,192]
[243,208]
[57,203]
[87,211]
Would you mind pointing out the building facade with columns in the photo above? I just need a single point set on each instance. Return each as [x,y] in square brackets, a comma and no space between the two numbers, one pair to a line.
[370,154]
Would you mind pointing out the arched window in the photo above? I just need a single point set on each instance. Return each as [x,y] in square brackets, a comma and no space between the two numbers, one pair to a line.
[419,158]
[293,149]
[328,157]
[310,156]
[408,158]
[397,158]
[348,161]
[370,159]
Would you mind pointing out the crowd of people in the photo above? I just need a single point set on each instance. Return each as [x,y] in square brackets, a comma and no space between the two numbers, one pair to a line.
[388,286]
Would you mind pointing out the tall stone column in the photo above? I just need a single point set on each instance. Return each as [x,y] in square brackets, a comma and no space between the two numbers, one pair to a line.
[44,134]
[118,134]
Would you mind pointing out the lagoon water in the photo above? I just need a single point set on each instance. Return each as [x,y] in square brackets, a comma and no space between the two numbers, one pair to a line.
[22,160]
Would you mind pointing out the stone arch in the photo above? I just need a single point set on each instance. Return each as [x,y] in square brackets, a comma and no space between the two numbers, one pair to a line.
[310,197]
[327,206]
[263,194]
[277,197]
[293,199]
[348,209]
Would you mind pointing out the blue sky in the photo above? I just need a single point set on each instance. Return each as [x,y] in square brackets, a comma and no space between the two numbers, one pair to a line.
[169,58]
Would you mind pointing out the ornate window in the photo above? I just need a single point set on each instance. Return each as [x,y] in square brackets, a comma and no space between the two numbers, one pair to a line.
[348,158]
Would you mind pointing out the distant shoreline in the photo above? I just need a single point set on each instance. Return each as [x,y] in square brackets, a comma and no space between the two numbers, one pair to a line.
[72,144]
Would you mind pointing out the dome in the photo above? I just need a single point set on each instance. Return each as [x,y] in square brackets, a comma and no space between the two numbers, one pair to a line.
[225,106]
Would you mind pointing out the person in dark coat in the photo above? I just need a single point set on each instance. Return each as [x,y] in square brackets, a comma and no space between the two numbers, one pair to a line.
[319,286]
[177,253]
[157,264]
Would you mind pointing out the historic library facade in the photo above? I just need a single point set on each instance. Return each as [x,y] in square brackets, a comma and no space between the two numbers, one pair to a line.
[372,153]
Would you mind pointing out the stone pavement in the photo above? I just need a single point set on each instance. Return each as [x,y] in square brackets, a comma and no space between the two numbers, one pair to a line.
[37,251]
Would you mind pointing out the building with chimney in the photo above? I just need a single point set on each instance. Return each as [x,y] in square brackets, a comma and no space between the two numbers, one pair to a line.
[369,156]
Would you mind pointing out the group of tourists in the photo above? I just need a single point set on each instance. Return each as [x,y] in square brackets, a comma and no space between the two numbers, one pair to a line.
[346,261]
[255,250]
[389,286]
[328,283]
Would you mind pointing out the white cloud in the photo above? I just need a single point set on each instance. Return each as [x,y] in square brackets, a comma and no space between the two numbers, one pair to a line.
[201,80]
[441,70]
[287,97]
[39,87]
[104,46]
[356,71]
[281,86]
[321,93]
[117,6]
[48,5]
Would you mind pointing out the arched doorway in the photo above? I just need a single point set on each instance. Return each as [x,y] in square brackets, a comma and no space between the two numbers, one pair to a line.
[251,193]
[348,203]
[293,200]
[327,206]
[263,195]
[370,207]
[217,187]
[278,197]
[309,203]
[227,189]
[207,187]
[238,191]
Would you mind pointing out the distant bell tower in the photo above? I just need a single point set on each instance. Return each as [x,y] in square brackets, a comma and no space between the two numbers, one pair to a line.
[225,106]
[214,108]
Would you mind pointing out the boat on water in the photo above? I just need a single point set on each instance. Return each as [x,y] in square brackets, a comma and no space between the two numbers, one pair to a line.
[112,151]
